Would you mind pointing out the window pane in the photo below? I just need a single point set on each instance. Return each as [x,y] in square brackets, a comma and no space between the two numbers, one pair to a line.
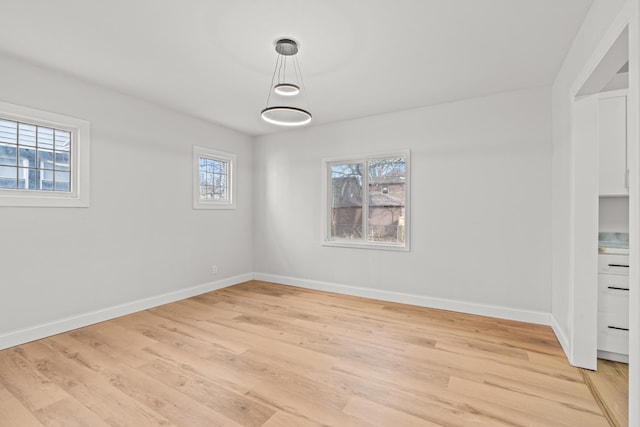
[62,140]
[219,180]
[220,193]
[45,159]
[26,134]
[63,160]
[346,201]
[27,157]
[8,177]
[45,181]
[213,179]
[62,182]
[222,167]
[27,179]
[45,138]
[8,131]
[387,199]
[8,155]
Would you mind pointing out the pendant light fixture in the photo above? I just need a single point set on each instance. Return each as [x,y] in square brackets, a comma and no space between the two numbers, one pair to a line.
[287,70]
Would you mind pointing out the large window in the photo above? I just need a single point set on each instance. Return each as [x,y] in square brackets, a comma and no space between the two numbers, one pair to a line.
[366,202]
[44,158]
[213,179]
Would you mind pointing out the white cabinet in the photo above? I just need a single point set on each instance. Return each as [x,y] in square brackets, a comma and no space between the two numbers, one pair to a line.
[612,141]
[613,306]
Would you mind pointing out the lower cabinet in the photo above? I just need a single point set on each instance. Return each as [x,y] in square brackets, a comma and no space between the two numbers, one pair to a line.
[613,307]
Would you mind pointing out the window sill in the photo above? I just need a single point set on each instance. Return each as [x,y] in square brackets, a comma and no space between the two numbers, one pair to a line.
[17,198]
[368,245]
[213,206]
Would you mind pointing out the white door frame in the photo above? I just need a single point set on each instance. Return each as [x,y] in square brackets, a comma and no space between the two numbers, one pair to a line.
[583,353]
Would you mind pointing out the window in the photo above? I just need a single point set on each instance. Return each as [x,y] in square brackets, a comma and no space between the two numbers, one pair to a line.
[213,179]
[44,158]
[366,202]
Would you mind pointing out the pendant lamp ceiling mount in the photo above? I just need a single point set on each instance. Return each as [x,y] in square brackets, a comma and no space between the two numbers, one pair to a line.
[286,47]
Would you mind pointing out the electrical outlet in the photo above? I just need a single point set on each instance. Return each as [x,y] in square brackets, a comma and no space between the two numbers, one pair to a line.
[214,269]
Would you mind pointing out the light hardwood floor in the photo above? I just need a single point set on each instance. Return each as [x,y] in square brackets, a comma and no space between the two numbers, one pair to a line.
[610,387]
[260,354]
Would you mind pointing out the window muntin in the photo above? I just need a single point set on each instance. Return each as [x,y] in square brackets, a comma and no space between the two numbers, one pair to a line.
[367,202]
[44,158]
[33,157]
[213,182]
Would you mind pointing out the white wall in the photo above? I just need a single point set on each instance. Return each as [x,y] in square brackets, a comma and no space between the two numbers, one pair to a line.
[140,237]
[600,16]
[481,202]
[614,214]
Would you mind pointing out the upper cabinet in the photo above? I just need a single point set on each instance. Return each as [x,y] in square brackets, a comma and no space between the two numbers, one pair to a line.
[612,140]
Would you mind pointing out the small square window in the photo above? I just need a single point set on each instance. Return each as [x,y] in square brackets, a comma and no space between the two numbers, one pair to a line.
[213,179]
[44,158]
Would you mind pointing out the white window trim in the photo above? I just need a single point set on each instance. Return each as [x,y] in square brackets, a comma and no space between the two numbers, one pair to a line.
[210,153]
[80,149]
[325,226]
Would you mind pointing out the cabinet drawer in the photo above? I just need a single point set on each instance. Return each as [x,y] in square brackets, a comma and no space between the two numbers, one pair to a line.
[613,296]
[613,264]
[611,339]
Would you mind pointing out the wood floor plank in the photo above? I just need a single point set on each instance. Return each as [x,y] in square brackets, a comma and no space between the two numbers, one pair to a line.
[116,341]
[282,419]
[448,409]
[69,413]
[610,387]
[177,333]
[172,404]
[90,388]
[219,369]
[383,416]
[30,387]
[302,398]
[554,412]
[13,413]
[576,397]
[233,405]
[266,355]
[5,394]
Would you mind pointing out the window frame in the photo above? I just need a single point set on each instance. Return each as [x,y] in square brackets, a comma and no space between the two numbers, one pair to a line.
[325,227]
[230,159]
[80,131]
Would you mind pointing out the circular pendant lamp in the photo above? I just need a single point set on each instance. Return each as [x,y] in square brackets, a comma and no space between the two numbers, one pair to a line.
[286,116]
[286,89]
[283,114]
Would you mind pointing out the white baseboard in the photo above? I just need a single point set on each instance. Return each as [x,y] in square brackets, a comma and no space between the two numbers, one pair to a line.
[562,337]
[616,357]
[22,336]
[529,316]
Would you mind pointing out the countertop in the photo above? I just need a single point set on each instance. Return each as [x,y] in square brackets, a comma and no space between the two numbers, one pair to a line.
[613,243]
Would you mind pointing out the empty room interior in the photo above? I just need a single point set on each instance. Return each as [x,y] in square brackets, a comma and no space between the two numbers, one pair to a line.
[319,213]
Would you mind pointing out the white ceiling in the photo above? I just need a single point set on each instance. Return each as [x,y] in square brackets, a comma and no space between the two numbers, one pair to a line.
[214,58]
